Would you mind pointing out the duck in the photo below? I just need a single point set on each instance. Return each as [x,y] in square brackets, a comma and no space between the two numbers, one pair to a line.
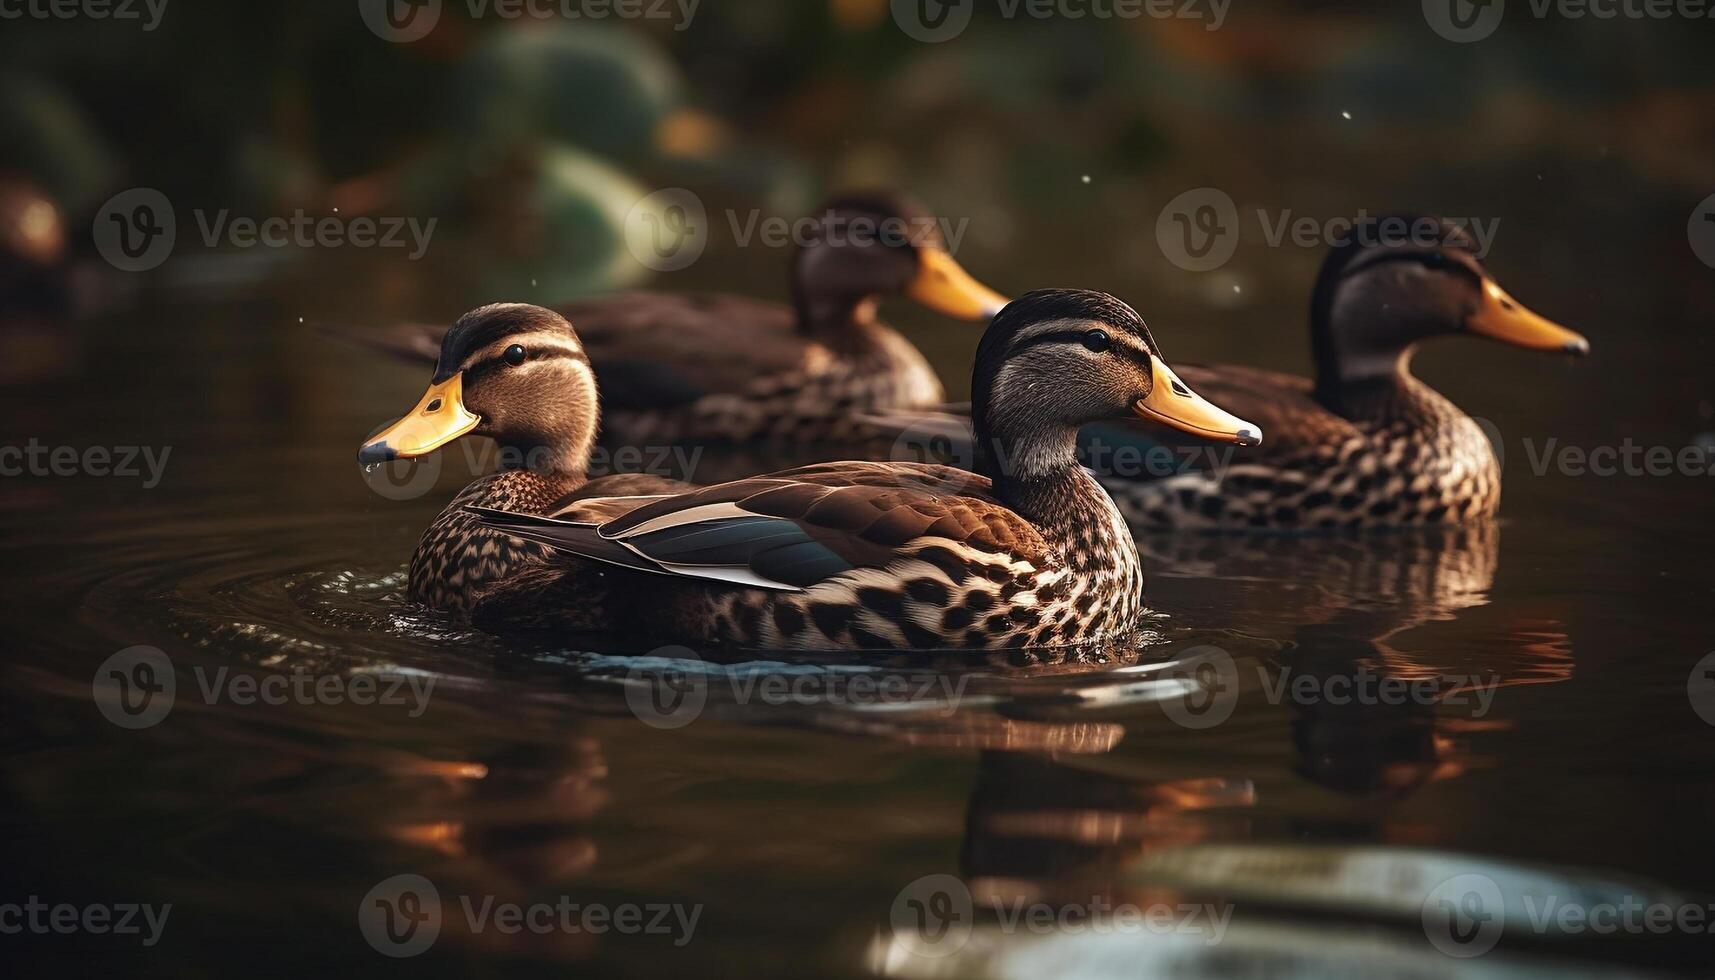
[1024,551]
[1362,444]
[719,369]
[518,374]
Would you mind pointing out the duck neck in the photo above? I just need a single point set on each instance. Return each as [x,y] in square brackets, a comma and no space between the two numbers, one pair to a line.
[1036,473]
[838,321]
[1393,397]
[1347,379]
[563,460]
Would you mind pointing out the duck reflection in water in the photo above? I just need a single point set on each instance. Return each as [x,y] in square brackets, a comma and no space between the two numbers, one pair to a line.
[1159,820]
[1377,725]
[1372,714]
[511,827]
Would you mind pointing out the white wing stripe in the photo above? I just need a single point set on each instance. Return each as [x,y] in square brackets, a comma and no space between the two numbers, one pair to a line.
[679,518]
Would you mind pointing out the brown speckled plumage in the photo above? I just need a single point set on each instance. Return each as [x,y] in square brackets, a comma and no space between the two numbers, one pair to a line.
[1406,456]
[870,555]
[458,559]
[1364,444]
[931,560]
[541,407]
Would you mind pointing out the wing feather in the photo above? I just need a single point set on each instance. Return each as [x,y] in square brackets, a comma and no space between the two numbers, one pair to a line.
[794,529]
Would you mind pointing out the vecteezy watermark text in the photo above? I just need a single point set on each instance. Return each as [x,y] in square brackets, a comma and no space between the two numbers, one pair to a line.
[149,12]
[1629,458]
[1119,460]
[935,915]
[1200,229]
[1464,21]
[408,479]
[1209,681]
[668,229]
[934,21]
[403,916]
[33,915]
[404,21]
[127,462]
[671,686]
[135,231]
[1467,914]
[137,687]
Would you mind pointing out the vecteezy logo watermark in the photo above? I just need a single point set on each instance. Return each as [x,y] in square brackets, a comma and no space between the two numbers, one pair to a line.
[671,686]
[404,21]
[1630,914]
[1464,915]
[1629,458]
[1464,21]
[149,12]
[400,21]
[1209,681]
[934,21]
[137,687]
[1199,230]
[135,231]
[667,230]
[670,228]
[947,440]
[935,915]
[36,460]
[1700,688]
[97,919]
[403,915]
[408,479]
[668,688]
[402,479]
[1700,230]
[1468,914]
[1369,687]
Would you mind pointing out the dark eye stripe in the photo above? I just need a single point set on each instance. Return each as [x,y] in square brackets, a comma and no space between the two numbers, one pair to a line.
[1138,357]
[1447,264]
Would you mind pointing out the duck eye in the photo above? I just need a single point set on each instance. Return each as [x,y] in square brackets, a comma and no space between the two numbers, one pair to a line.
[1435,260]
[514,355]
[1097,340]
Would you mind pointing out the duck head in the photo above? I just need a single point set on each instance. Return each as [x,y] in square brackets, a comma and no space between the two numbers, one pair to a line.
[510,371]
[864,246]
[1398,280]
[1055,360]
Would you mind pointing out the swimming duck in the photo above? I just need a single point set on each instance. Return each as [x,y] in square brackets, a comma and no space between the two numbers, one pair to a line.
[681,369]
[518,374]
[1025,551]
[1364,443]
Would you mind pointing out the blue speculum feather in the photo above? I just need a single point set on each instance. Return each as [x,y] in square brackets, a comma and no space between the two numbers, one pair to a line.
[776,548]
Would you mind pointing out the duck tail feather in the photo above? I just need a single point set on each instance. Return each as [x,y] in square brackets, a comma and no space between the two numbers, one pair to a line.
[569,538]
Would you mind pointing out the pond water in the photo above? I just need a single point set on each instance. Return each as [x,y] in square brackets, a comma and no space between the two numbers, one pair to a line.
[1522,706]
